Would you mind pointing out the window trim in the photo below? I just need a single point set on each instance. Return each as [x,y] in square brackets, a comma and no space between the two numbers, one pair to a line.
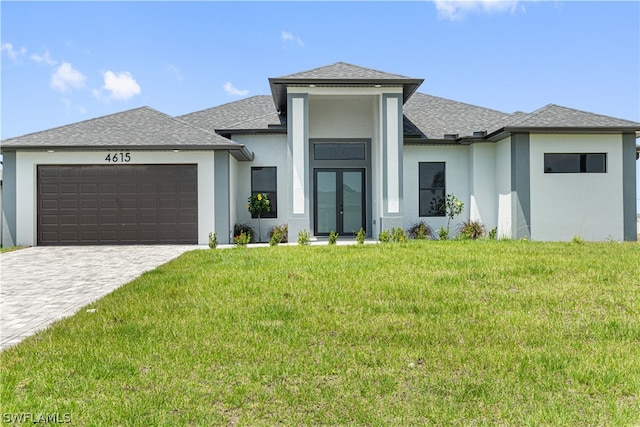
[273,195]
[420,189]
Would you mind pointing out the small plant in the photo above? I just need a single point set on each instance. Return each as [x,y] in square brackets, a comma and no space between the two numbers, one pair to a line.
[213,240]
[303,237]
[472,230]
[384,236]
[398,235]
[577,239]
[243,240]
[493,234]
[257,204]
[333,237]
[452,207]
[420,231]
[443,233]
[238,229]
[361,236]
[282,231]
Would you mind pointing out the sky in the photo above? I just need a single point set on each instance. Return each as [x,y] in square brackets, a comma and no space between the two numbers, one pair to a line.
[63,62]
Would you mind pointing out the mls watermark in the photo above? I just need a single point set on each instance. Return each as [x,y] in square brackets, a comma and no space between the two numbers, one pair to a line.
[36,418]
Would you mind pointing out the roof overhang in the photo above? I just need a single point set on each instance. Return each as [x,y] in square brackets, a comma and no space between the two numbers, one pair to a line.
[238,151]
[279,86]
[506,131]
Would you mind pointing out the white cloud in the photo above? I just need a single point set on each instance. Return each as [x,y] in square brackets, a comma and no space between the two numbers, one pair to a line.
[175,71]
[11,52]
[232,90]
[288,37]
[455,10]
[43,59]
[122,86]
[66,77]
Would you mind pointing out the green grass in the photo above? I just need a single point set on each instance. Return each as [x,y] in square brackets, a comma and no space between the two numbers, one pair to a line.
[435,333]
[11,249]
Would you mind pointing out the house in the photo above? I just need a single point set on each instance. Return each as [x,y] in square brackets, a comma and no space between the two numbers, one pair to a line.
[335,148]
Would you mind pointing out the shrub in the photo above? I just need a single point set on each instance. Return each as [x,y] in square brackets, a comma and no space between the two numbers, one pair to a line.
[275,239]
[303,237]
[472,230]
[282,231]
[213,240]
[398,235]
[242,239]
[443,233]
[333,237]
[420,230]
[238,229]
[577,239]
[384,236]
[493,234]
[361,236]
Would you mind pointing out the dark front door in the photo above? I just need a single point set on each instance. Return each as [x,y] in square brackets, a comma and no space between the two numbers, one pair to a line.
[339,201]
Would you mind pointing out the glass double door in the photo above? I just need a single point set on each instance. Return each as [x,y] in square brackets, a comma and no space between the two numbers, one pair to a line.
[339,201]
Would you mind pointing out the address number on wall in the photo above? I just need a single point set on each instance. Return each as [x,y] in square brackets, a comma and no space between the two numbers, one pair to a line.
[118,158]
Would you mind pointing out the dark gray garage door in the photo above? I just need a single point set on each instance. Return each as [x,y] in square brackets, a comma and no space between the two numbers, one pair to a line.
[132,204]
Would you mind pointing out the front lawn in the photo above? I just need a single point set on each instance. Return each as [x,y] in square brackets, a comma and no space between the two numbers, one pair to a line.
[462,333]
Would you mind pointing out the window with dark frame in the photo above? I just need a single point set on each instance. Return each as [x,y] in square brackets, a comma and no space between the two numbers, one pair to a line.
[575,162]
[264,180]
[431,188]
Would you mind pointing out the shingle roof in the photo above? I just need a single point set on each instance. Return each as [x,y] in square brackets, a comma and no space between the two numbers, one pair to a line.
[257,112]
[556,116]
[344,71]
[340,74]
[436,116]
[142,128]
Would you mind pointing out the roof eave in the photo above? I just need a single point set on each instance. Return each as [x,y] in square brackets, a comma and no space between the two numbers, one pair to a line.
[506,131]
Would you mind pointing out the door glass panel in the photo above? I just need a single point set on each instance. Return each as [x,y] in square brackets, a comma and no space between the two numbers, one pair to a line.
[326,201]
[352,202]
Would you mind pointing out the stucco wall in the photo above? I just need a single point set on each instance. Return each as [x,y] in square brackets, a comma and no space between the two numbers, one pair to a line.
[564,205]
[483,203]
[26,181]
[456,180]
[269,150]
[341,116]
[503,185]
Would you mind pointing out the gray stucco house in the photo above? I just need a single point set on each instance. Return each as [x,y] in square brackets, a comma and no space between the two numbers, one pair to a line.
[336,148]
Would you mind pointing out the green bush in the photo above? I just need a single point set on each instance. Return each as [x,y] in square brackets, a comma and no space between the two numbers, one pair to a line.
[281,232]
[242,239]
[420,230]
[361,236]
[493,234]
[398,235]
[384,236]
[213,240]
[303,237]
[472,230]
[333,237]
[443,233]
[238,229]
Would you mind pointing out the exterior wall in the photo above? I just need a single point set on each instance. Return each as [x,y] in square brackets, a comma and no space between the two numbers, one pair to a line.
[340,117]
[503,186]
[483,202]
[26,181]
[564,205]
[269,150]
[456,160]
[234,199]
[9,200]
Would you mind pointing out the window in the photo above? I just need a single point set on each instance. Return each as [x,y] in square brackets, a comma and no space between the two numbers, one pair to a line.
[575,162]
[263,180]
[431,188]
[339,151]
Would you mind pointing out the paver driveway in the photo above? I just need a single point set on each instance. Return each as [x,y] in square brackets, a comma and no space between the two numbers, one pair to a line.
[41,285]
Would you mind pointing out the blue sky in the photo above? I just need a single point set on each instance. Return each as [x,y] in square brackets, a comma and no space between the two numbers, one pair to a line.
[63,62]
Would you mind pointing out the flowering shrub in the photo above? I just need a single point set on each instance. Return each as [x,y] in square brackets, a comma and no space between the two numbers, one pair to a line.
[257,204]
[452,207]
[243,239]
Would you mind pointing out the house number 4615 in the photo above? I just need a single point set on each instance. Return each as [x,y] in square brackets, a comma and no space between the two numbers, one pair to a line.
[118,157]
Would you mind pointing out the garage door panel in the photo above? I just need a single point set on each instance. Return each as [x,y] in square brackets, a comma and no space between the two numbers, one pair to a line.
[115,204]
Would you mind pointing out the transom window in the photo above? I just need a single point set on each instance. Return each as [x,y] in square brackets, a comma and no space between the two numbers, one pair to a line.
[339,151]
[263,180]
[431,188]
[575,162]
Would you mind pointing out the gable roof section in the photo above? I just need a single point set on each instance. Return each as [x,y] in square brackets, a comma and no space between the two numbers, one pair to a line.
[254,113]
[141,128]
[340,74]
[436,117]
